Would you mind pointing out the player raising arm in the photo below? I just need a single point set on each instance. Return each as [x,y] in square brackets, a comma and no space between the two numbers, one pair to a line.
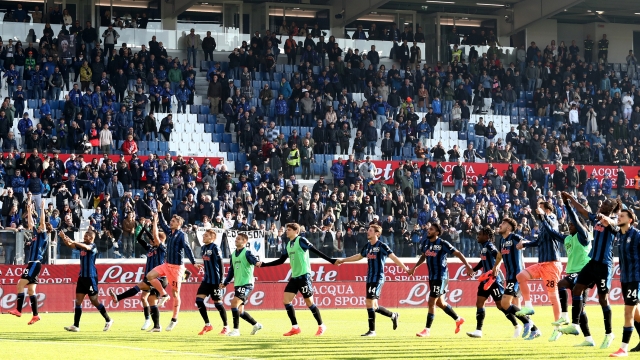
[241,271]
[156,253]
[577,245]
[297,250]
[87,279]
[376,253]
[629,255]
[435,253]
[599,270]
[29,278]
[210,286]
[173,269]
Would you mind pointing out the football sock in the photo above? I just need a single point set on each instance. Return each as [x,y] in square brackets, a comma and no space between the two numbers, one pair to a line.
[129,293]
[222,312]
[236,318]
[384,312]
[430,320]
[146,312]
[372,319]
[202,308]
[76,315]
[291,311]
[606,313]
[246,317]
[34,304]
[480,313]
[103,312]
[20,302]
[316,313]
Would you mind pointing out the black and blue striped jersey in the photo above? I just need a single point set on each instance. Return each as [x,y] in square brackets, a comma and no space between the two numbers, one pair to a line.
[629,255]
[376,256]
[436,257]
[88,261]
[212,262]
[511,256]
[38,246]
[603,239]
[548,245]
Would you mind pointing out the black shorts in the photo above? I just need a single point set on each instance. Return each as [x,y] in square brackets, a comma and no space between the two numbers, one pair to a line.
[374,289]
[152,290]
[511,288]
[438,288]
[630,292]
[31,272]
[242,292]
[211,290]
[571,279]
[495,291]
[596,274]
[87,286]
[300,284]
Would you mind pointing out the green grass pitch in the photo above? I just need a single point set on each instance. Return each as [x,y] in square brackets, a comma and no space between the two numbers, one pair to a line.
[48,340]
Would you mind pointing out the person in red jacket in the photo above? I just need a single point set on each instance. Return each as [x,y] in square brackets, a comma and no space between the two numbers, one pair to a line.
[129,147]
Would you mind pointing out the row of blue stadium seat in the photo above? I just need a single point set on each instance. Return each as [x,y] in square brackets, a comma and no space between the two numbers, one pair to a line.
[316,168]
[209,119]
[222,138]
[160,146]
[229,147]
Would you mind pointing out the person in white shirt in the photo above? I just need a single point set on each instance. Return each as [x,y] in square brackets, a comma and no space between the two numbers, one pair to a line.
[627,106]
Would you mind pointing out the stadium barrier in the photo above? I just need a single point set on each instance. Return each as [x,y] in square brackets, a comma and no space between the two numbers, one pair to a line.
[335,287]
[385,170]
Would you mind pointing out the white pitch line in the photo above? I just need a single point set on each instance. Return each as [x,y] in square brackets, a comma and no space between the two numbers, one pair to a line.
[171,352]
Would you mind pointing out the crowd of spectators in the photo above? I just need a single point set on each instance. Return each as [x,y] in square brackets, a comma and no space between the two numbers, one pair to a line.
[403,105]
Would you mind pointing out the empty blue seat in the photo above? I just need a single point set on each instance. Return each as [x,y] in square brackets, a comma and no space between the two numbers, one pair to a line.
[318,169]
[153,146]
[285,130]
[61,104]
[242,157]
[234,147]
[236,83]
[54,105]
[256,84]
[257,76]
[529,95]
[319,158]
[514,119]
[163,147]
[202,119]
[224,147]
[231,156]
[219,129]
[288,69]
[32,104]
[226,138]
[316,70]
[217,138]
[209,128]
[462,135]
[194,109]
[205,110]
[212,119]
[142,145]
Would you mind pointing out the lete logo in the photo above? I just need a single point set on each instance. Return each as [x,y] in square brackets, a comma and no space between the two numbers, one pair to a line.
[419,295]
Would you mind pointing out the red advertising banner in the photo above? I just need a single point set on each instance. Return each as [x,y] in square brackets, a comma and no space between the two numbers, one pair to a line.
[335,287]
[385,170]
[134,273]
[268,296]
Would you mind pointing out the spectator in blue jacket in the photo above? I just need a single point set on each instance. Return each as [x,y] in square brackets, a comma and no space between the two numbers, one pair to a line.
[607,185]
[282,110]
[45,109]
[182,95]
[164,175]
[591,184]
[337,170]
[285,89]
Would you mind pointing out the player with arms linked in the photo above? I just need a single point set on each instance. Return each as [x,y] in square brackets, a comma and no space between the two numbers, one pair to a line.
[243,262]
[629,255]
[88,278]
[173,269]
[491,284]
[297,251]
[435,251]
[376,253]
[37,249]
[156,254]
[513,261]
[599,270]
[578,246]
[210,286]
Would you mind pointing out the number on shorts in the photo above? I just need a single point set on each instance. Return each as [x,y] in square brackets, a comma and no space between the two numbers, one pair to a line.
[496,292]
[632,293]
[510,286]
[241,290]
[90,288]
[26,271]
[174,283]
[436,289]
[371,290]
[551,283]
[304,289]
[217,292]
